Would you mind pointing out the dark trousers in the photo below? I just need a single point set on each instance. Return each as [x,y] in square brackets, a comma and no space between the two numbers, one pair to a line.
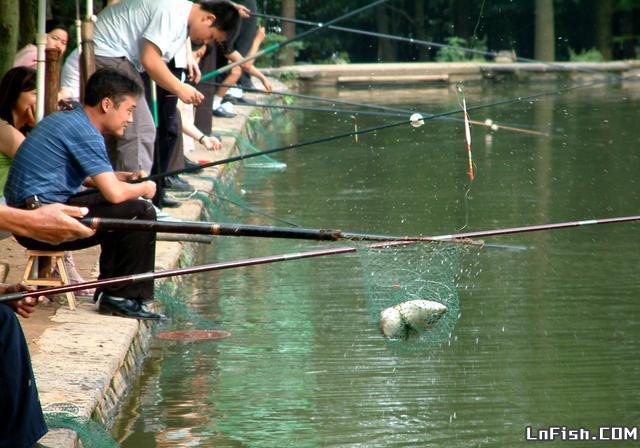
[123,252]
[169,129]
[203,114]
[21,419]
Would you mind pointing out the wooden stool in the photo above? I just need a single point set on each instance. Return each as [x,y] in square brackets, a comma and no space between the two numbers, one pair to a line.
[55,261]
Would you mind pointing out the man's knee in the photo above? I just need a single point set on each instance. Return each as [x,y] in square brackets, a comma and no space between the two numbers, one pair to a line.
[143,209]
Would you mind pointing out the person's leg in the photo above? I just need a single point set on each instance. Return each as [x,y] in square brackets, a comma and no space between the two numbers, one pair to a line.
[123,252]
[246,39]
[166,136]
[176,162]
[203,112]
[21,419]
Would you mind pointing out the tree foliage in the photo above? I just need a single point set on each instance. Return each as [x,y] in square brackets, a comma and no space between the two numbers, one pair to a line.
[502,24]
[580,25]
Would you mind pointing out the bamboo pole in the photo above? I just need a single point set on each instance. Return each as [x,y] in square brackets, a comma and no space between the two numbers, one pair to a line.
[87,55]
[52,80]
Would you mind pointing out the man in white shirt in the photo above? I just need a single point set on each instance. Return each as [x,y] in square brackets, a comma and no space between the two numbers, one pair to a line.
[143,35]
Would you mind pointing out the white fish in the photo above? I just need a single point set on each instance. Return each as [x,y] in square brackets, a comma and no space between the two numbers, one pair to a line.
[411,317]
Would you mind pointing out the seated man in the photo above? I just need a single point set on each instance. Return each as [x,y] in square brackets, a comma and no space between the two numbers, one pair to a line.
[67,148]
[21,419]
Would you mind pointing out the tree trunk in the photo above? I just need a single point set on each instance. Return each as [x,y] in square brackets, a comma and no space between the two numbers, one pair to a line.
[289,29]
[626,28]
[462,11]
[386,51]
[9,24]
[28,14]
[604,14]
[544,31]
[420,28]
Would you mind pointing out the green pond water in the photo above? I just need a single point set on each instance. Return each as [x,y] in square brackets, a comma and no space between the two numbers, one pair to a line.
[548,327]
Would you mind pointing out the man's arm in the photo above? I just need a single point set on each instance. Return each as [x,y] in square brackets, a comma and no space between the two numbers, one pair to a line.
[151,59]
[116,191]
[53,223]
[235,56]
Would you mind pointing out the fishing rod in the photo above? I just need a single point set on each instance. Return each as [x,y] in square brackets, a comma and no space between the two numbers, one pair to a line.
[135,278]
[223,229]
[535,228]
[415,120]
[279,45]
[428,43]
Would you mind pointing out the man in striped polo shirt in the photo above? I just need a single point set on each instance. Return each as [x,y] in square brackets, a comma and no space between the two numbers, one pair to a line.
[65,151]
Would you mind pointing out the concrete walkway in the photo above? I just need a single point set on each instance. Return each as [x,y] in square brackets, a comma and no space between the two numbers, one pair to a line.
[87,359]
[448,72]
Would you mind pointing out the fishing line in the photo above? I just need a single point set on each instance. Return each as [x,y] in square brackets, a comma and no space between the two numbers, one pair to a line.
[320,109]
[394,110]
[475,29]
[371,129]
[277,46]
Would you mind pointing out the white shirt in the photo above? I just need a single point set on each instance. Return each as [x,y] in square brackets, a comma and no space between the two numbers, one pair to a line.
[122,28]
[70,82]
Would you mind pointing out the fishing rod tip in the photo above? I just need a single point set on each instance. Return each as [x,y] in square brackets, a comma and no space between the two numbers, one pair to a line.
[416,120]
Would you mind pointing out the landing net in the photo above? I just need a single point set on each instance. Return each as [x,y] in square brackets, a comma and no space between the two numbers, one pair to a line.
[90,432]
[399,274]
[258,162]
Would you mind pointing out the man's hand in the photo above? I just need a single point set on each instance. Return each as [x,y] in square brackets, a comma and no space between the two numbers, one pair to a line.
[126,176]
[23,307]
[54,224]
[189,94]
[193,70]
[211,143]
[267,85]
[150,189]
[244,12]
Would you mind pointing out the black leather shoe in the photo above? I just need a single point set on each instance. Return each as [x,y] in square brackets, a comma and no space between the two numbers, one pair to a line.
[120,306]
[234,99]
[220,112]
[176,184]
[188,163]
[165,202]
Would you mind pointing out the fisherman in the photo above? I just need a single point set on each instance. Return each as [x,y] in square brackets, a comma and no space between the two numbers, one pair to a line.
[21,419]
[244,43]
[133,36]
[67,149]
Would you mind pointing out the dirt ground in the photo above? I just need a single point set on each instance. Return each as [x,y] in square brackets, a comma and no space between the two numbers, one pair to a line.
[14,259]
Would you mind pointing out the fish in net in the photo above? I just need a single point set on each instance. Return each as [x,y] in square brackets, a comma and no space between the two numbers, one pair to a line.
[411,291]
[67,416]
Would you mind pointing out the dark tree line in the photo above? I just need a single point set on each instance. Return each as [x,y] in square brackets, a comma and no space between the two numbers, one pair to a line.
[541,29]
[555,27]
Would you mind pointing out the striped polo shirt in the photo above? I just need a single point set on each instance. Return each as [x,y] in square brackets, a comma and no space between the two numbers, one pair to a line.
[55,159]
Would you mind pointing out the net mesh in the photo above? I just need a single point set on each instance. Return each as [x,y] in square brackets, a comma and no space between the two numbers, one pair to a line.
[66,416]
[246,147]
[397,274]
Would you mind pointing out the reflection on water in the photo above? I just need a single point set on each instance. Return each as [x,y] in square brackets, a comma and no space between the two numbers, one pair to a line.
[546,336]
